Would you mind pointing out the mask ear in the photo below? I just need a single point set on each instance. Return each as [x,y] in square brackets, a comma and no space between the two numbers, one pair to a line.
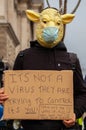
[67,18]
[33,16]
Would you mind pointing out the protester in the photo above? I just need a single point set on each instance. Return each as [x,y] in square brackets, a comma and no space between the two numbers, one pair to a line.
[48,52]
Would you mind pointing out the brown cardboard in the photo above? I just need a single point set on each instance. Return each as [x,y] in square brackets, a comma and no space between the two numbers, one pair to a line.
[38,94]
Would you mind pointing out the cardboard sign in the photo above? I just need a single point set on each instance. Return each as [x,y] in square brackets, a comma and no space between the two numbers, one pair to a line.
[38,94]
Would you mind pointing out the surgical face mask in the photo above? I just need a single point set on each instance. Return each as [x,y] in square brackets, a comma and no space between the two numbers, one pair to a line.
[50,34]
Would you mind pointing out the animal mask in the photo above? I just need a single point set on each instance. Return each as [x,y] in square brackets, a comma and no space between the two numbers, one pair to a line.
[50,25]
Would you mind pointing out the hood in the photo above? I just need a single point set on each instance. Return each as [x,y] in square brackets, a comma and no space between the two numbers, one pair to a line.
[60,46]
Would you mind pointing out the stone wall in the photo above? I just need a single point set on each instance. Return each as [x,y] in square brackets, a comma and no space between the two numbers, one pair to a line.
[15,29]
[8,43]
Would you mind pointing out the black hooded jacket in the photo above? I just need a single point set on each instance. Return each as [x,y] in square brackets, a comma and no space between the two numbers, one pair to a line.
[39,58]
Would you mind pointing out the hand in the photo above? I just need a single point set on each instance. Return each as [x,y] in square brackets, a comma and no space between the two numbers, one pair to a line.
[3,96]
[70,122]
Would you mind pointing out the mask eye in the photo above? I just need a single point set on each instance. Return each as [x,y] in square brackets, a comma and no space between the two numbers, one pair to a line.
[44,21]
[58,23]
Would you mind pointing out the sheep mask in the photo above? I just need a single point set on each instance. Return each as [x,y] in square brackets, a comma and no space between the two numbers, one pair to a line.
[50,25]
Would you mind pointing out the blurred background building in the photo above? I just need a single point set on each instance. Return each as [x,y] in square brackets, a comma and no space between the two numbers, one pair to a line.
[15,30]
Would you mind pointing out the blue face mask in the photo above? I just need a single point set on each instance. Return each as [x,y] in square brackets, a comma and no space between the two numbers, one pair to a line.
[50,34]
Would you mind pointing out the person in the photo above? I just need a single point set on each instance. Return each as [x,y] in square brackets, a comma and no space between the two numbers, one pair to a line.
[85,123]
[1,72]
[48,52]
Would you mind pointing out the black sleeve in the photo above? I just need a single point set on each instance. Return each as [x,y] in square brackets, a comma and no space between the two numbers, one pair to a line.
[79,91]
[18,64]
